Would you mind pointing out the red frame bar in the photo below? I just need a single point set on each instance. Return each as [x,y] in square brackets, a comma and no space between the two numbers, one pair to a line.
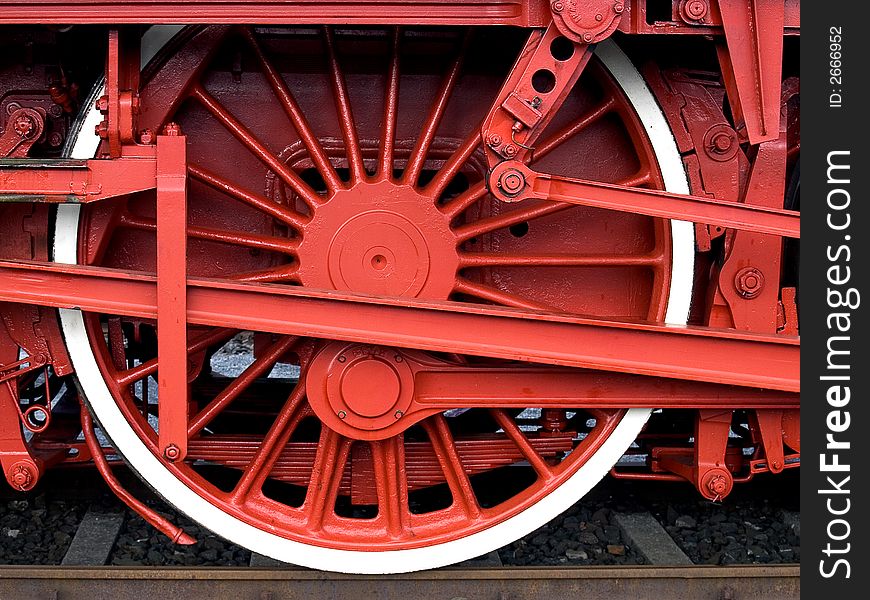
[302,12]
[698,354]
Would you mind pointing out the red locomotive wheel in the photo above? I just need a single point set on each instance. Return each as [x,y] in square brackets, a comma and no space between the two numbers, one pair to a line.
[351,160]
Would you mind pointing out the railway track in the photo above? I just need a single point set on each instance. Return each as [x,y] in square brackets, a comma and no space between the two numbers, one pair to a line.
[771,582]
[667,571]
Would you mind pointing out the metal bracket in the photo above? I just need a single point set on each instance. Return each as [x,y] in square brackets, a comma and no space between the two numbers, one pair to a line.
[751,61]
[545,72]
[172,293]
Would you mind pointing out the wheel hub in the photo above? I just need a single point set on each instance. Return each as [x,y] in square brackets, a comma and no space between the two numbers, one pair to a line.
[360,391]
[379,238]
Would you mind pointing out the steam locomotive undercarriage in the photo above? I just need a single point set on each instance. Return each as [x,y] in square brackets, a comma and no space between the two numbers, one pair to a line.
[381,286]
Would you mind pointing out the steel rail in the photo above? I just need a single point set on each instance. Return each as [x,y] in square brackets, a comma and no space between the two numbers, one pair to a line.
[698,354]
[771,582]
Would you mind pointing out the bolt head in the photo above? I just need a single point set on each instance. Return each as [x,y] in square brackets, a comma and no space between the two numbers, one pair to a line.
[696,9]
[171,452]
[494,140]
[718,485]
[618,8]
[146,137]
[557,6]
[587,37]
[510,151]
[102,104]
[24,125]
[599,17]
[102,130]
[172,129]
[342,414]
[399,414]
[511,182]
[749,282]
[21,477]
[722,143]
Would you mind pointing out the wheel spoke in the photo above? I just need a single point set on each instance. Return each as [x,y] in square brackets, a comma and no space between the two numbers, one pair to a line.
[261,365]
[273,443]
[519,438]
[326,474]
[257,148]
[496,222]
[451,167]
[280,212]
[288,273]
[388,457]
[451,465]
[250,240]
[495,295]
[294,113]
[418,155]
[463,201]
[345,113]
[199,344]
[641,178]
[391,107]
[483,259]
[533,211]
[578,125]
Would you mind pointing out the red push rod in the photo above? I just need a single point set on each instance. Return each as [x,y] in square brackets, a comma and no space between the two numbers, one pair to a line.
[654,203]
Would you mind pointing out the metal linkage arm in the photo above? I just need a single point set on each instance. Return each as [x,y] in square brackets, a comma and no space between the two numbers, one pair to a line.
[511,181]
[79,181]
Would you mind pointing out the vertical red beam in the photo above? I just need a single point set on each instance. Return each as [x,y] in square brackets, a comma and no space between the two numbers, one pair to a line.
[172,292]
[752,63]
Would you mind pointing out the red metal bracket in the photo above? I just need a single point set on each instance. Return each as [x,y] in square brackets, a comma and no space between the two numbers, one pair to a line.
[707,469]
[546,70]
[751,61]
[172,292]
[21,468]
[587,21]
[121,102]
[747,294]
[24,127]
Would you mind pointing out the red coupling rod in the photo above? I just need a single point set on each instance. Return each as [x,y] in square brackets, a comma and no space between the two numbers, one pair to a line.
[170,530]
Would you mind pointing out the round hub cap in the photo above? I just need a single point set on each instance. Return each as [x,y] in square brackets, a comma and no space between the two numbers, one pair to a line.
[379,238]
[361,391]
[370,388]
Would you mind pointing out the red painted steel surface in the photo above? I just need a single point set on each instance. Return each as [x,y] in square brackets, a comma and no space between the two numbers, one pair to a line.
[720,356]
[435,12]
[428,237]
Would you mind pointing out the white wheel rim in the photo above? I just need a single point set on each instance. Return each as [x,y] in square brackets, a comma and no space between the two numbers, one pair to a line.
[175,492]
